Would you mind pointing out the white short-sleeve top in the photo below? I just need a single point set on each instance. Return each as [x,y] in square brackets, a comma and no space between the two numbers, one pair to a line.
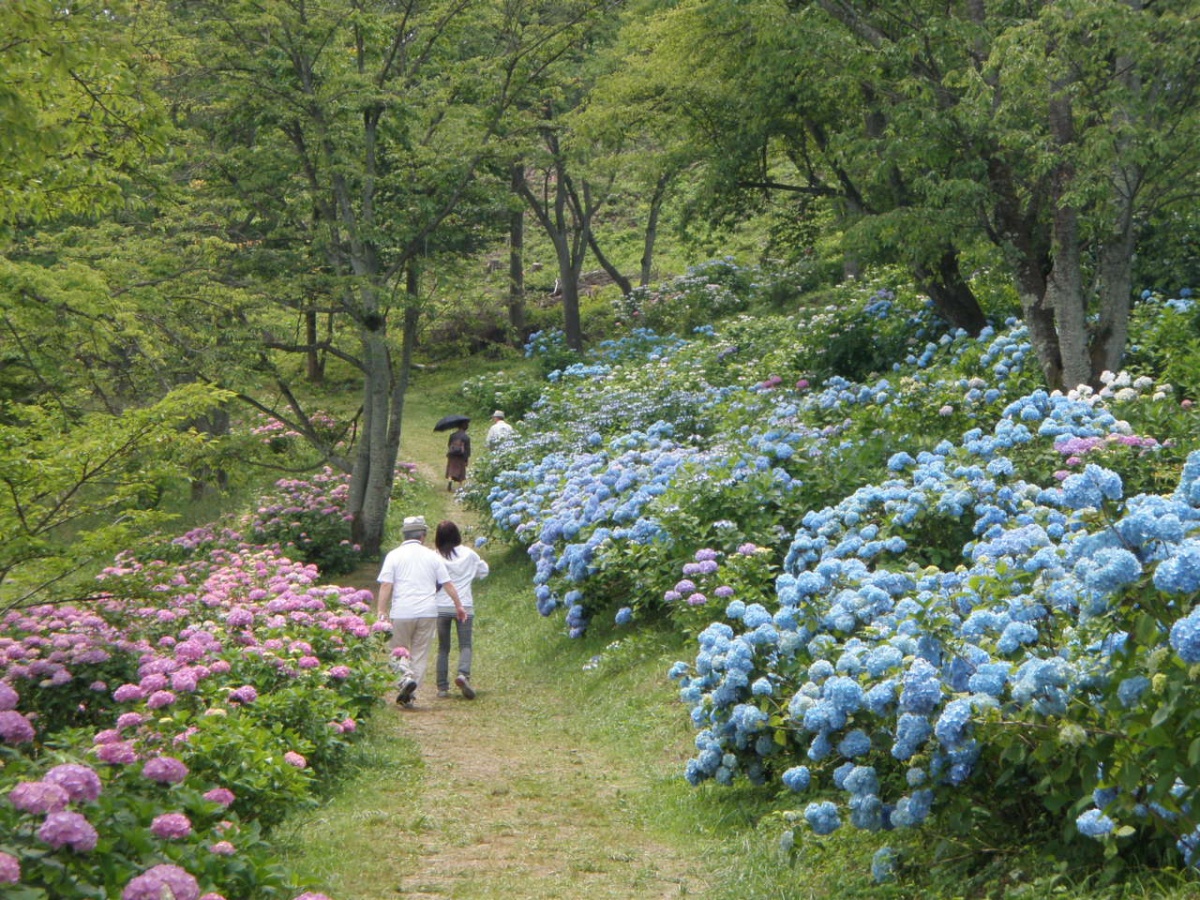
[415,572]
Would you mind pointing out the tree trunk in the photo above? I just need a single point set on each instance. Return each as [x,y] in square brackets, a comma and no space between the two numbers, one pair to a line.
[370,484]
[572,325]
[566,224]
[1116,299]
[1064,285]
[613,272]
[1038,318]
[951,294]
[656,203]
[315,366]
[1115,276]
[516,260]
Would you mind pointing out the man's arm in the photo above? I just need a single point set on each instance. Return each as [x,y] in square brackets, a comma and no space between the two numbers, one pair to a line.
[383,604]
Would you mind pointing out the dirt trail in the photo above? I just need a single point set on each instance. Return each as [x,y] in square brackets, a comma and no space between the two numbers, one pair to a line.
[510,800]
[510,813]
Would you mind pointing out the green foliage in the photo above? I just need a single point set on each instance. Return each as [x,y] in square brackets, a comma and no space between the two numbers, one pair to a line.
[709,291]
[865,328]
[1168,343]
[124,814]
[82,489]
[79,109]
[513,393]
[246,754]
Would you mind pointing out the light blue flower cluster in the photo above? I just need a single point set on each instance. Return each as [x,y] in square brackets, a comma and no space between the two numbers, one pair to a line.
[571,505]
[875,661]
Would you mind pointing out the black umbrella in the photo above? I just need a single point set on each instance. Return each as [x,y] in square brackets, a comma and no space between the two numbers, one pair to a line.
[445,423]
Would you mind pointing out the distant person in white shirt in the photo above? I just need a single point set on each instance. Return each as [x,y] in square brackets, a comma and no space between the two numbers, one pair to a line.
[464,565]
[409,582]
[500,430]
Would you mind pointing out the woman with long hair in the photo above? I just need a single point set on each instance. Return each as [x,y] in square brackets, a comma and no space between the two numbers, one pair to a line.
[464,565]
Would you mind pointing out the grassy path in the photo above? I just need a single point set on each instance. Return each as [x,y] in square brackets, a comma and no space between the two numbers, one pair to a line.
[558,781]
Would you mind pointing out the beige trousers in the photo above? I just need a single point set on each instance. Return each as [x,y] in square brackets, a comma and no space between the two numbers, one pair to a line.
[417,636]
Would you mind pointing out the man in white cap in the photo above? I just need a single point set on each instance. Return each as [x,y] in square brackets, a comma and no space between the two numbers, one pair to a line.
[409,582]
[500,429]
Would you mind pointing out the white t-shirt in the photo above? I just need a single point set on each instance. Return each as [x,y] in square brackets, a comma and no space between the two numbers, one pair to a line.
[464,565]
[415,572]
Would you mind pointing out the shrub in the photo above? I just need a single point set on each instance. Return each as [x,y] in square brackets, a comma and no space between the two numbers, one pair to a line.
[309,519]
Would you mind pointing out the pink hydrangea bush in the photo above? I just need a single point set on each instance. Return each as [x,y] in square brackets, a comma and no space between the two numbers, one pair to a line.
[225,657]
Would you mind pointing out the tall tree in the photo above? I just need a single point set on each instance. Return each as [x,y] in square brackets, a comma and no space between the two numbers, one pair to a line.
[351,131]
[78,107]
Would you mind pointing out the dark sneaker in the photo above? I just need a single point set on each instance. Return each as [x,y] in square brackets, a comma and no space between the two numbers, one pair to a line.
[464,685]
[443,694]
[408,687]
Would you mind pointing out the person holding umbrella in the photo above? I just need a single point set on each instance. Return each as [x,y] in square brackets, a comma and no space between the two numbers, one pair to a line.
[458,448]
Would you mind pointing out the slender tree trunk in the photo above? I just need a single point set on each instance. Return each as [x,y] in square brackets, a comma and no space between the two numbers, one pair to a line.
[651,237]
[315,365]
[370,482]
[613,272]
[516,260]
[568,281]
[566,225]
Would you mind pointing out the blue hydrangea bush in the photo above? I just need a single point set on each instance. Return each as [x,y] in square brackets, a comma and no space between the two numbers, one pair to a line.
[937,596]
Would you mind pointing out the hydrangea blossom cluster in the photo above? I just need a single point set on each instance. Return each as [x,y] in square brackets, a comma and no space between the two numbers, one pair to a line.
[212,635]
[309,518]
[881,667]
[963,584]
[575,504]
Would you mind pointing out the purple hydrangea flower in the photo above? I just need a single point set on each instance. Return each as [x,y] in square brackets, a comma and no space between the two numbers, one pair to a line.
[39,797]
[8,697]
[128,692]
[81,783]
[10,869]
[171,826]
[159,699]
[165,769]
[220,795]
[69,829]
[130,720]
[15,728]
[244,694]
[162,881]
[119,753]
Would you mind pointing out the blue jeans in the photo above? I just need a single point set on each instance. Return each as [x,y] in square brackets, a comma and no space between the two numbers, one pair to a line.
[463,630]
